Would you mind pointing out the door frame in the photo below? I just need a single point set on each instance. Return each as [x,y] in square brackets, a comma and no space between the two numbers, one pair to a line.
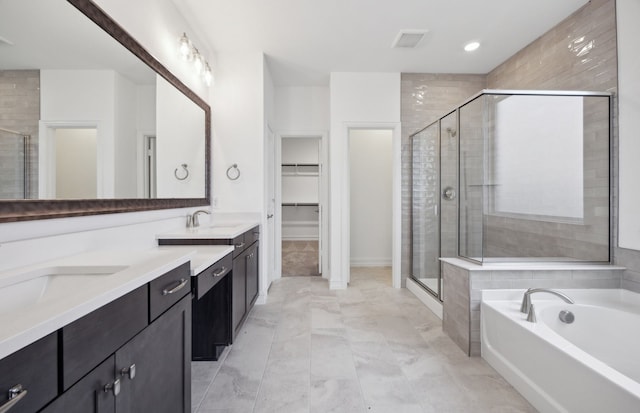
[322,136]
[396,208]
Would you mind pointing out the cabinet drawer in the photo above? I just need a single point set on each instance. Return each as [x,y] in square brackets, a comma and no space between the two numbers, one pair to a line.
[168,289]
[212,275]
[91,339]
[252,235]
[35,368]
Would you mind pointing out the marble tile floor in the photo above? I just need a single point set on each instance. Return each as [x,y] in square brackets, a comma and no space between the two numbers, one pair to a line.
[369,348]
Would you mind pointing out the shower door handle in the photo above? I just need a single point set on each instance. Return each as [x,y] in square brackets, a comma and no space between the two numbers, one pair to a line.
[435,210]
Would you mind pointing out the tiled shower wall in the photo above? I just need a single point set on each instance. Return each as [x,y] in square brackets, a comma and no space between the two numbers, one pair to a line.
[577,54]
[19,111]
[425,98]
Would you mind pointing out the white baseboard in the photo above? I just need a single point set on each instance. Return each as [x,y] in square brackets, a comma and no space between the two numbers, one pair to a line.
[300,238]
[427,299]
[371,262]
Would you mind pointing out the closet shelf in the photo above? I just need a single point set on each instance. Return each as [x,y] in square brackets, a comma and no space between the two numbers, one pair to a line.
[300,164]
[296,204]
[300,169]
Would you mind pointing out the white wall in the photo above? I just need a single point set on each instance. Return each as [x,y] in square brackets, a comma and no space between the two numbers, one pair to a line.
[302,108]
[370,174]
[238,129]
[357,100]
[156,24]
[628,15]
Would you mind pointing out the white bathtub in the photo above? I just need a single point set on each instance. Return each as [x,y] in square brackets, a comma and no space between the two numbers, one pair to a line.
[590,365]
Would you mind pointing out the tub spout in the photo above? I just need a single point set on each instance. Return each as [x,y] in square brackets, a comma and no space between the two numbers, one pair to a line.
[526,299]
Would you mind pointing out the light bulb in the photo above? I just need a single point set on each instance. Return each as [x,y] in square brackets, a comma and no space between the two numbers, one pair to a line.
[207,75]
[197,61]
[184,46]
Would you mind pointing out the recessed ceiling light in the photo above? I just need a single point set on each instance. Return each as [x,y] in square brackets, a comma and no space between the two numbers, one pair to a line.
[471,46]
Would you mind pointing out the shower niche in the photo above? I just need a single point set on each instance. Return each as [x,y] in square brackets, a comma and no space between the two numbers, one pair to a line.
[512,176]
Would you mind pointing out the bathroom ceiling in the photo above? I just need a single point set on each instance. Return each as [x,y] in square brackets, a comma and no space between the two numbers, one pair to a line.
[305,40]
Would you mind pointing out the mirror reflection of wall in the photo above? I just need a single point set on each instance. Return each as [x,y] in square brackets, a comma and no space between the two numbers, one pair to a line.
[79,76]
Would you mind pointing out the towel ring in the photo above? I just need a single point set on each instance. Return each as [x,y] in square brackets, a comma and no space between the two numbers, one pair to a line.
[186,172]
[233,172]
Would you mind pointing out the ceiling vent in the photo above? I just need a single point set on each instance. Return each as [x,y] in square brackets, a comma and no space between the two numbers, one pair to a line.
[409,39]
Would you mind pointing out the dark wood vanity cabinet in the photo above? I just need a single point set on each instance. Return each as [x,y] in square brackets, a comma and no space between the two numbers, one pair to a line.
[131,355]
[245,278]
[243,288]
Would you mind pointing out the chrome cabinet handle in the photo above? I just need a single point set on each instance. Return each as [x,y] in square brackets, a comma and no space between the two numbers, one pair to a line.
[240,245]
[129,371]
[178,287]
[16,393]
[220,271]
[113,387]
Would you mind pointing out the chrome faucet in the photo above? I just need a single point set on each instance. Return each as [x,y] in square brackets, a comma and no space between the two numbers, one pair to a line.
[192,220]
[528,308]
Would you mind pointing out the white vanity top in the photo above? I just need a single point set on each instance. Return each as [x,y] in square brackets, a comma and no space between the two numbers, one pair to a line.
[218,230]
[37,300]
[203,256]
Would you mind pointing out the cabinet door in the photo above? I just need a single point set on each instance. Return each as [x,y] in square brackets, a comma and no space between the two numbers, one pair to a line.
[252,275]
[238,292]
[161,356]
[89,395]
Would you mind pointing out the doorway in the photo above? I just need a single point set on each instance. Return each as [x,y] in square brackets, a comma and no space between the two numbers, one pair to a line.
[301,206]
[371,202]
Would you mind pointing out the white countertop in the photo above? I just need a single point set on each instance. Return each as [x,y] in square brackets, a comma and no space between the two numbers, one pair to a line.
[28,314]
[203,256]
[218,230]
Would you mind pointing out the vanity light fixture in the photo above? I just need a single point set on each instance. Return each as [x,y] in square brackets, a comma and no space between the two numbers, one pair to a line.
[190,53]
[471,46]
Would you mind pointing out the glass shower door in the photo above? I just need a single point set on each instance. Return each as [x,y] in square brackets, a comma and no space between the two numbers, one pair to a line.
[425,208]
[448,188]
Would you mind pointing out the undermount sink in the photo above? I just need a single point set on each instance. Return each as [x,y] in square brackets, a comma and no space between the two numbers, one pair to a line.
[23,290]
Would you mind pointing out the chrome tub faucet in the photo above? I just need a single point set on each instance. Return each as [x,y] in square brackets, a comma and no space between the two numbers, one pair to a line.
[527,307]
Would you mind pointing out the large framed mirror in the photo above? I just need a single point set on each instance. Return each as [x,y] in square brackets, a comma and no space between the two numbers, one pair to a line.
[90,122]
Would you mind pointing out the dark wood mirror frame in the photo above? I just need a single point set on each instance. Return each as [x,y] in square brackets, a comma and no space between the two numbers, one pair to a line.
[25,210]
